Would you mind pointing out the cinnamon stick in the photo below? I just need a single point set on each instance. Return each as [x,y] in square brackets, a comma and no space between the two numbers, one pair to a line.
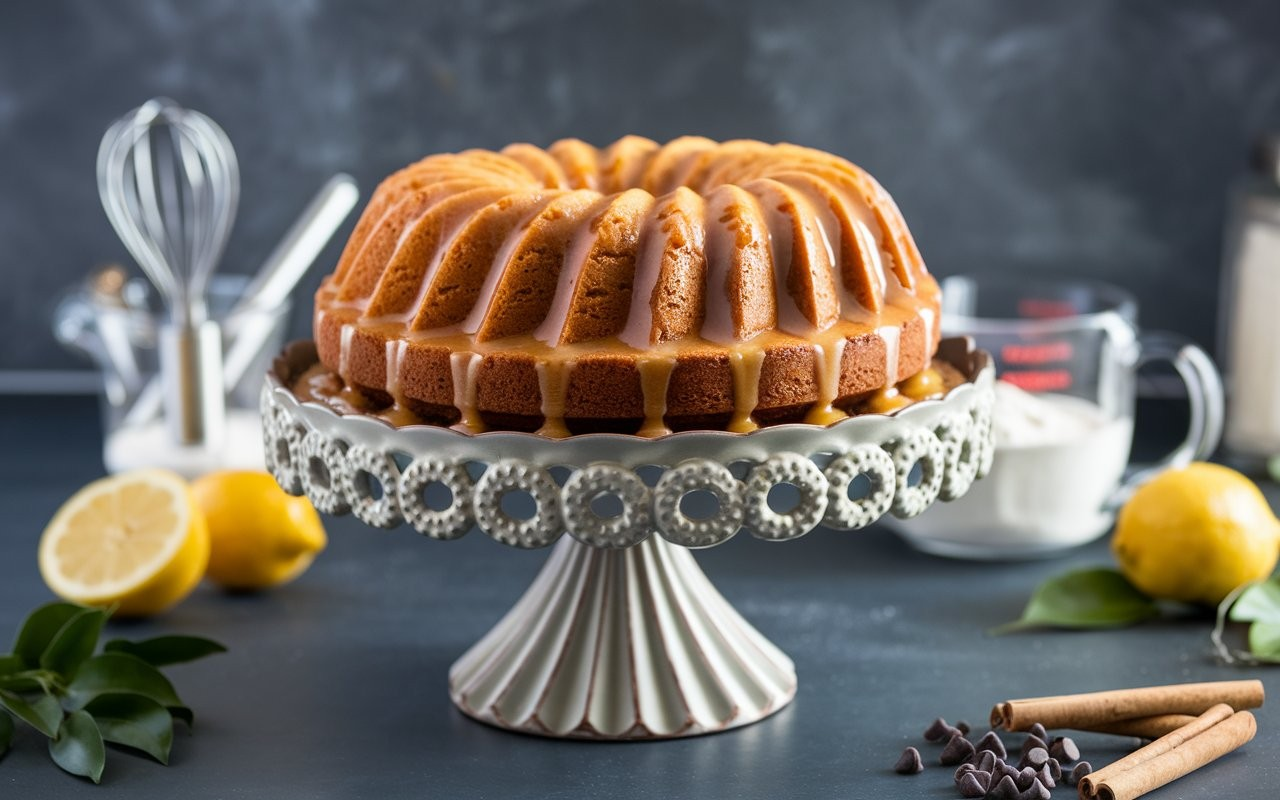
[1143,727]
[1198,725]
[1087,711]
[1203,748]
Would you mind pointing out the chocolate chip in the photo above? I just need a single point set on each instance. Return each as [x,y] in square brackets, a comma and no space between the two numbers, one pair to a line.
[986,760]
[1045,776]
[1036,791]
[991,742]
[1033,741]
[1064,749]
[1007,769]
[1079,771]
[958,749]
[937,731]
[1055,770]
[1005,789]
[1038,731]
[1025,778]
[1037,757]
[962,769]
[963,727]
[909,763]
[972,786]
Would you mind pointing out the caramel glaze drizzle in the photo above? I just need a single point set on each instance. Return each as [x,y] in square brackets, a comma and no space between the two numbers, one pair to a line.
[828,357]
[553,385]
[655,378]
[655,367]
[463,368]
[400,412]
[746,364]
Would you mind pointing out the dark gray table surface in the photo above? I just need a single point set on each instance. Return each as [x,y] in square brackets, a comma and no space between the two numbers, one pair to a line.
[335,685]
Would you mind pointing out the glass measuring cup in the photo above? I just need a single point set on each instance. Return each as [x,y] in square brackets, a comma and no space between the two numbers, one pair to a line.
[1067,355]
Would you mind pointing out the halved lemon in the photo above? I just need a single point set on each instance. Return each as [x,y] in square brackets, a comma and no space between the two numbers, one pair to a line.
[136,540]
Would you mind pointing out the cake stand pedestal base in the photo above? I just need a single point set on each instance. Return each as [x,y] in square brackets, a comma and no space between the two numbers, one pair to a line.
[622,644]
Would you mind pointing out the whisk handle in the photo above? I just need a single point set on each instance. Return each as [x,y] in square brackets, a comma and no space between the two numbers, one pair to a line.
[191,369]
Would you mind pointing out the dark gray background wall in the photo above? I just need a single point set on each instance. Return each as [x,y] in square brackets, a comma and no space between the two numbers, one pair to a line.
[1097,138]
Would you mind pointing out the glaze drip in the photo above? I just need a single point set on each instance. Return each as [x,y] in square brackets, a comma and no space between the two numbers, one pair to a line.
[746,365]
[827,358]
[553,385]
[464,369]
[655,378]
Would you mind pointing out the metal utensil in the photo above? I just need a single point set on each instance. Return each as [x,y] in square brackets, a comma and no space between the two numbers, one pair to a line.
[270,288]
[282,270]
[107,291]
[170,184]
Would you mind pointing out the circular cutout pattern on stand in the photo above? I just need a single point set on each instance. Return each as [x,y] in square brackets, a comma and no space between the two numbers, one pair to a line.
[962,454]
[450,522]
[363,467]
[698,475]
[846,513]
[282,440]
[778,469]
[510,475]
[629,527]
[922,447]
[985,438]
[323,465]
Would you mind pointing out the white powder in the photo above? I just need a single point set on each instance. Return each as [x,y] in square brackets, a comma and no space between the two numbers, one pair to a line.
[149,445]
[1058,460]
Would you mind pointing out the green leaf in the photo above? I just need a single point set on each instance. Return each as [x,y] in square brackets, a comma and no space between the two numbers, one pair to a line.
[40,628]
[165,650]
[6,732]
[1258,603]
[1089,598]
[74,643]
[10,664]
[134,721]
[1264,640]
[78,746]
[183,713]
[29,680]
[120,673]
[44,714]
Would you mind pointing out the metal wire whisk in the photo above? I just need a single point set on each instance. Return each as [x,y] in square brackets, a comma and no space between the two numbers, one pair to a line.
[170,185]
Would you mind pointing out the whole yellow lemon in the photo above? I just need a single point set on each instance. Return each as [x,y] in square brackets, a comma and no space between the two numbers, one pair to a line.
[259,535]
[1194,534]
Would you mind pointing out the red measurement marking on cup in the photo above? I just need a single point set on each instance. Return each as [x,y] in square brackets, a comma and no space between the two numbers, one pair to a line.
[1038,380]
[1031,308]
[1036,353]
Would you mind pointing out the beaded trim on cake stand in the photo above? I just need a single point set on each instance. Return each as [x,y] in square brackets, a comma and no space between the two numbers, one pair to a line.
[621,636]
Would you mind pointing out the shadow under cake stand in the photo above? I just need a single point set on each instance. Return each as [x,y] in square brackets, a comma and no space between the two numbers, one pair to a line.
[621,636]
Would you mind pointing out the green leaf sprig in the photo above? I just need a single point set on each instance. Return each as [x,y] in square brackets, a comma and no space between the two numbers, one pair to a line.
[1097,597]
[1257,604]
[53,682]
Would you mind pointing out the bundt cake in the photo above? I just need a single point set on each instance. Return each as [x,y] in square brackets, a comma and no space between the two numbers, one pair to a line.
[639,288]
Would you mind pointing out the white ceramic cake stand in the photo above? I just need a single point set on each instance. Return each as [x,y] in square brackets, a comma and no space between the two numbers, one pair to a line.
[621,636]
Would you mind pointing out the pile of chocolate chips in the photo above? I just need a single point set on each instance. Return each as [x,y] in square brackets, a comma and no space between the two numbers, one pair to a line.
[984,768]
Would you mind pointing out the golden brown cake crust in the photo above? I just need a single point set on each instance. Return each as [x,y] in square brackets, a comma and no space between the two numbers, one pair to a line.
[639,285]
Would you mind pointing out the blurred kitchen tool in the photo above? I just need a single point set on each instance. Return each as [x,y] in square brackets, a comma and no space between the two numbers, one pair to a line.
[269,291]
[107,288]
[169,183]
[1067,354]
[283,269]
[1250,324]
[76,324]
